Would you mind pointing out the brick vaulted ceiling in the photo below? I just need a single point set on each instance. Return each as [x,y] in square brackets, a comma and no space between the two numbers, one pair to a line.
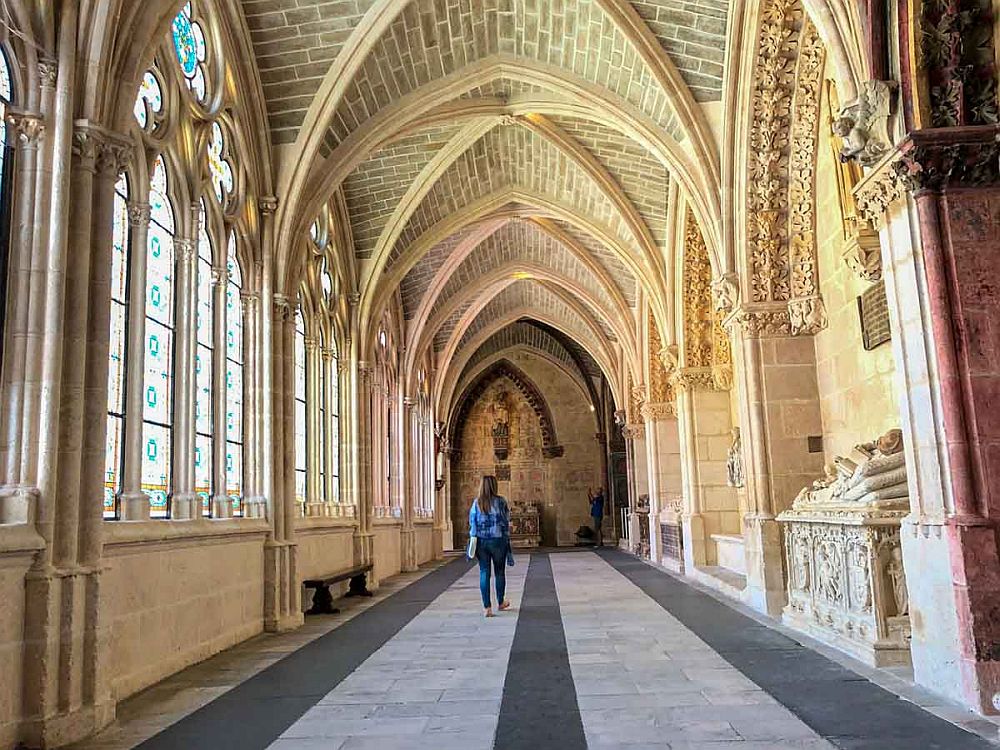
[495,158]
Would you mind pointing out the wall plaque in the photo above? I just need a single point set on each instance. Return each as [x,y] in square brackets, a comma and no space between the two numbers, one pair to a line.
[873,309]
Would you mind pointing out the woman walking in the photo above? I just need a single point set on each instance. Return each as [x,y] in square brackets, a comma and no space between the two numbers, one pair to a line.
[489,525]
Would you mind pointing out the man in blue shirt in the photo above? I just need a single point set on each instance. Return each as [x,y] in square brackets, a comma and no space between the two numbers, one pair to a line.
[597,512]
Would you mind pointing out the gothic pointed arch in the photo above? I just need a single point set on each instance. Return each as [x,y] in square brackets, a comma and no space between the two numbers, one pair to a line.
[504,368]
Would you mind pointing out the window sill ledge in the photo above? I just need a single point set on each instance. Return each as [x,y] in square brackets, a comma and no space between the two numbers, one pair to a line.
[134,532]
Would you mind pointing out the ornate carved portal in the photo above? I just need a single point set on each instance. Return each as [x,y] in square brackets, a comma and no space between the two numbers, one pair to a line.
[783,290]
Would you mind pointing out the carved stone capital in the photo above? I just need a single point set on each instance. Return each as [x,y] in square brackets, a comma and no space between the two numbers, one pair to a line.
[353,299]
[138,214]
[654,412]
[807,315]
[282,307]
[722,377]
[185,249]
[862,251]
[267,204]
[761,322]
[328,353]
[878,190]
[694,379]
[113,157]
[27,126]
[85,142]
[220,275]
[633,431]
[935,159]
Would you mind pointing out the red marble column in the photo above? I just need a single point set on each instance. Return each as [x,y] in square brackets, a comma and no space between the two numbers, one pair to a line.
[959,214]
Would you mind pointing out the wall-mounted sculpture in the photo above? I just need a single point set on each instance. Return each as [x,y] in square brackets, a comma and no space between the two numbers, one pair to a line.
[846,584]
[501,426]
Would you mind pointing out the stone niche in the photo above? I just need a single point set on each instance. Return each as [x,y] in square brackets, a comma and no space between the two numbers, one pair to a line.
[846,584]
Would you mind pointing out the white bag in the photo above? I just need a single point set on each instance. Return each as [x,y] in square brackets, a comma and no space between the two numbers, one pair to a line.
[470,552]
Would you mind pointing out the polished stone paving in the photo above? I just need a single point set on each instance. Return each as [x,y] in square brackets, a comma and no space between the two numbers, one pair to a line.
[599,651]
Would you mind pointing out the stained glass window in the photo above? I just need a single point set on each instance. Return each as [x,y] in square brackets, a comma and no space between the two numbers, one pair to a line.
[300,408]
[5,95]
[116,358]
[157,410]
[204,353]
[234,379]
[149,101]
[222,172]
[324,377]
[335,422]
[191,50]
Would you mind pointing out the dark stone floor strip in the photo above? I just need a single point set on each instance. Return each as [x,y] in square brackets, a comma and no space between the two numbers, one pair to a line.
[254,713]
[539,708]
[838,704]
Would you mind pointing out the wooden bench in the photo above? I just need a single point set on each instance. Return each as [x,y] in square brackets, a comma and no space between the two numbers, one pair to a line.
[322,603]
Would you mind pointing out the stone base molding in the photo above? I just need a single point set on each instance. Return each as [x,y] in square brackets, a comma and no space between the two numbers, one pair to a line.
[282,589]
[408,538]
[765,589]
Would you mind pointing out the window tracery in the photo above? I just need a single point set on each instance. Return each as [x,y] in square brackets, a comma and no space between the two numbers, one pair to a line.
[191,312]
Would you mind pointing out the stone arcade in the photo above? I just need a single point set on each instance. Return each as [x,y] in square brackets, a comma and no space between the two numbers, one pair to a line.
[282,279]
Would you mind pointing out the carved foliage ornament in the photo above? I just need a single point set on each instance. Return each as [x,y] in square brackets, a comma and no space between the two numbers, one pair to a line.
[660,390]
[957,56]
[781,165]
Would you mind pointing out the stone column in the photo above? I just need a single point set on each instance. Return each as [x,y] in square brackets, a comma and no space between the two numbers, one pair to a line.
[28,129]
[940,254]
[314,431]
[184,502]
[409,440]
[253,500]
[133,502]
[638,478]
[705,425]
[221,507]
[780,417]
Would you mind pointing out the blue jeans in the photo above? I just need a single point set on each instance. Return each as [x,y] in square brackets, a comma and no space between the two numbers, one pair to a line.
[492,551]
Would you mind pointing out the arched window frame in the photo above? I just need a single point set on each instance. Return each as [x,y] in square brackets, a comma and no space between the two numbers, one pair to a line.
[301,422]
[206,189]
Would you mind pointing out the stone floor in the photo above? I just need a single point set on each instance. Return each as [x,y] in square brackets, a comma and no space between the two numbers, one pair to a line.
[599,651]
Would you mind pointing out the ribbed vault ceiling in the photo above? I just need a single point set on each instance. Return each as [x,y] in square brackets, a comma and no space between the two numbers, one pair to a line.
[496,160]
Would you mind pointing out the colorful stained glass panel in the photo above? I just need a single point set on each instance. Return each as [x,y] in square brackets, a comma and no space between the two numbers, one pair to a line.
[234,402]
[156,382]
[234,473]
[156,467]
[203,471]
[203,384]
[112,465]
[116,359]
[160,276]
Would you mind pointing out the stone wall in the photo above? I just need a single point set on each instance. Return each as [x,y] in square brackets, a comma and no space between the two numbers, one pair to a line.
[857,387]
[12,569]
[173,602]
[387,552]
[559,485]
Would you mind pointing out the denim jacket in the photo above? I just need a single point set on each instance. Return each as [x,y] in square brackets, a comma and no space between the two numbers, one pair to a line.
[492,525]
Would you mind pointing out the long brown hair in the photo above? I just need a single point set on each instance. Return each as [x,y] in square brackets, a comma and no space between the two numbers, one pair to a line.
[487,491]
